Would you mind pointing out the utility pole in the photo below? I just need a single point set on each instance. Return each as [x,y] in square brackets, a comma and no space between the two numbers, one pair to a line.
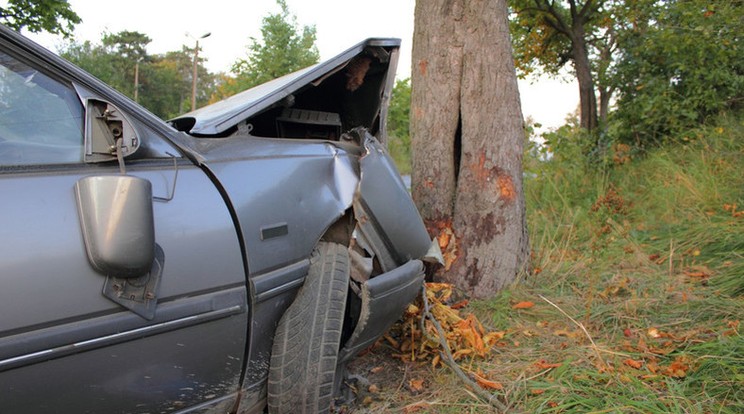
[136,79]
[193,76]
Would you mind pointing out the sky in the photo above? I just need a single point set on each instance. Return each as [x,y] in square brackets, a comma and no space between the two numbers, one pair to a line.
[339,25]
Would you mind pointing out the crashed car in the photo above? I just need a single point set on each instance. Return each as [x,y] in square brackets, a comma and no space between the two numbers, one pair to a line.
[233,258]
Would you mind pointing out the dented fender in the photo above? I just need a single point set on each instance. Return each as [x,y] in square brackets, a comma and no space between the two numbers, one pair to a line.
[386,216]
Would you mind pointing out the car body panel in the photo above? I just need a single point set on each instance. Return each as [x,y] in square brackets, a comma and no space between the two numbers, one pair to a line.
[237,211]
[59,315]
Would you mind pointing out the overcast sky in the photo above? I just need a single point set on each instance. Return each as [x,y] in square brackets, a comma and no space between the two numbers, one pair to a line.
[339,24]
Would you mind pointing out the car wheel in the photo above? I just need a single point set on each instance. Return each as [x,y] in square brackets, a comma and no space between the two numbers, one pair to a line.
[306,342]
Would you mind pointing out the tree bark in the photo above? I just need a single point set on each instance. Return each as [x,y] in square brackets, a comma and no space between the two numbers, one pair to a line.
[467,139]
[587,96]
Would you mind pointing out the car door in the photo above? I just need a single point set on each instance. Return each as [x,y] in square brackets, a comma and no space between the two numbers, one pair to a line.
[74,338]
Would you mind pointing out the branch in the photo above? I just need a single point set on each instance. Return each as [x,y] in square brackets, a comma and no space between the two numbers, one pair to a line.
[484,395]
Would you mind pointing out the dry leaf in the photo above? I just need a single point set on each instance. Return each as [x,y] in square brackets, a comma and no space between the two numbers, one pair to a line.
[416,385]
[537,392]
[415,407]
[523,305]
[543,364]
[653,332]
[373,389]
[486,383]
[376,370]
[633,363]
[461,304]
[677,369]
[698,271]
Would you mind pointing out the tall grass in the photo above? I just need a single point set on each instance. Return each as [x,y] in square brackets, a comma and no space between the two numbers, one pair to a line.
[646,252]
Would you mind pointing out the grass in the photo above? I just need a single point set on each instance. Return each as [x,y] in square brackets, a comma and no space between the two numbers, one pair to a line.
[645,266]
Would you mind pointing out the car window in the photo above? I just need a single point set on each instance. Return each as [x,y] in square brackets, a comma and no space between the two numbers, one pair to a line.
[41,119]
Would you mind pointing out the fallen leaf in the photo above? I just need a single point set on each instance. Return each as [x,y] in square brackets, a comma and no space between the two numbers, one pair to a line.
[415,407]
[486,383]
[552,404]
[373,389]
[653,332]
[523,305]
[391,341]
[677,369]
[435,361]
[633,363]
[376,370]
[416,385]
[543,364]
[537,392]
[461,304]
[493,337]
[698,271]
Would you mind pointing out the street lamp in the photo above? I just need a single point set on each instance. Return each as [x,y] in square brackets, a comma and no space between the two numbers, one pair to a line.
[193,76]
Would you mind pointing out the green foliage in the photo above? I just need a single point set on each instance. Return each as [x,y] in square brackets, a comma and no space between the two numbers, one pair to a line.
[655,244]
[164,83]
[53,16]
[681,70]
[284,48]
[399,138]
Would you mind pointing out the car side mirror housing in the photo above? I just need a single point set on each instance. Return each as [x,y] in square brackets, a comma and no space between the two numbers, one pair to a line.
[116,216]
[104,126]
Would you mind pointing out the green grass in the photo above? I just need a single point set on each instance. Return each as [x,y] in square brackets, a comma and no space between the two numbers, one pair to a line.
[648,256]
[644,262]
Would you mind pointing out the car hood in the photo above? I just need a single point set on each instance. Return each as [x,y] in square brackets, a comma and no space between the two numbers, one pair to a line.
[221,117]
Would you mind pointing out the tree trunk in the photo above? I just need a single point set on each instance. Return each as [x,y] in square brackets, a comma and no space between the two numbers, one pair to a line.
[467,139]
[587,97]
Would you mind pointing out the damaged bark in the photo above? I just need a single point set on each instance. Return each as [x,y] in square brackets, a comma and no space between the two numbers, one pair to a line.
[467,136]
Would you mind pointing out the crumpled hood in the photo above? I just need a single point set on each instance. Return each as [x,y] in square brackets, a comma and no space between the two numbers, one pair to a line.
[227,114]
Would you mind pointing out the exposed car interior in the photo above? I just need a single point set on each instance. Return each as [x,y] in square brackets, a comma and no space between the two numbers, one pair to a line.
[346,98]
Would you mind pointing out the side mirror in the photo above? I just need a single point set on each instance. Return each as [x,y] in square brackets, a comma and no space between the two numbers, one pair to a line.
[116,216]
[104,125]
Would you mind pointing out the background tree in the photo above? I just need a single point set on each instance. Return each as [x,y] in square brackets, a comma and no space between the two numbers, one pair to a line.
[467,137]
[679,66]
[164,82]
[53,16]
[284,48]
[399,136]
[547,34]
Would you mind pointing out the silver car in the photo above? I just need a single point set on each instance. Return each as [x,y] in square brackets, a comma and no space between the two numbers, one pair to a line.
[233,258]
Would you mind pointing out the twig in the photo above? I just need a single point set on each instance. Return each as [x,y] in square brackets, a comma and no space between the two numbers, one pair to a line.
[595,347]
[671,255]
[446,356]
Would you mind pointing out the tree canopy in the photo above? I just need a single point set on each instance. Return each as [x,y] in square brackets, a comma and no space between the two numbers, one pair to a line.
[53,16]
[284,47]
[163,80]
[657,65]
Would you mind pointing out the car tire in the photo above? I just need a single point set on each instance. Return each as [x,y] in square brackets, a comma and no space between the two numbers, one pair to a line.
[306,343]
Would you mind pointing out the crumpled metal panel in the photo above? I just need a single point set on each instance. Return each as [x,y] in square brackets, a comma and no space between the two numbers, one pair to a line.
[384,298]
[221,116]
[385,211]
